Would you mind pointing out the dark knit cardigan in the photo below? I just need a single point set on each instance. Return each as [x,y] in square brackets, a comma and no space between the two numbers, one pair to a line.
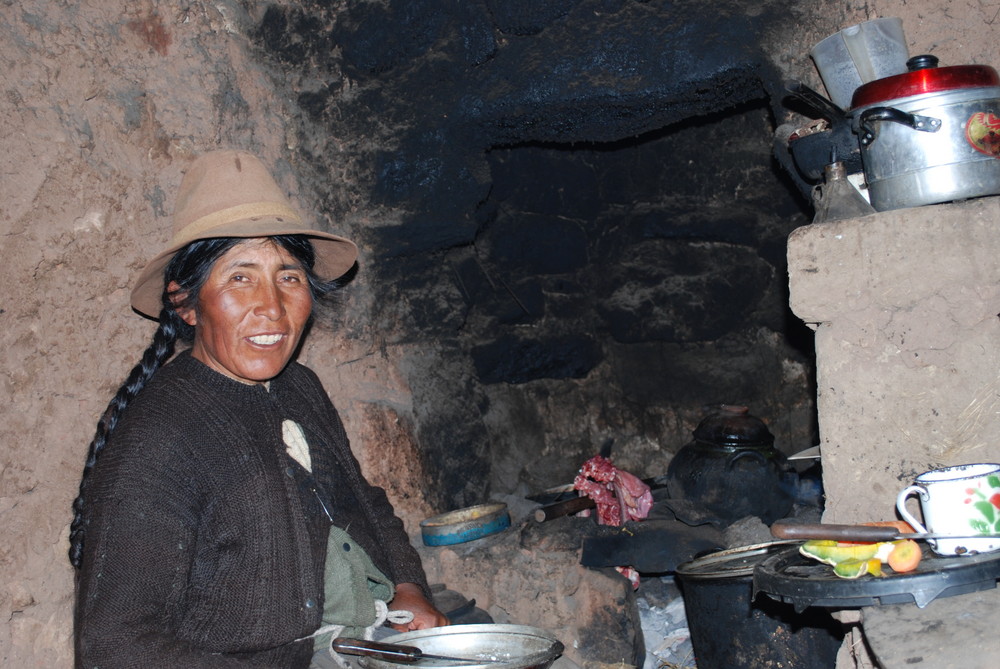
[205,543]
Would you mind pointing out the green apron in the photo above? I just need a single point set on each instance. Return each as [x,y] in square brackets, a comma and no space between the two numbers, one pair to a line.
[351,585]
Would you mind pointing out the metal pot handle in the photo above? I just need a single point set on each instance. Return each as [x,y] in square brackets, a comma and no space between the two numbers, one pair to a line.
[868,131]
[731,461]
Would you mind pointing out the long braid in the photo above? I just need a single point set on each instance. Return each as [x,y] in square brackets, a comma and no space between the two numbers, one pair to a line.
[157,353]
[188,268]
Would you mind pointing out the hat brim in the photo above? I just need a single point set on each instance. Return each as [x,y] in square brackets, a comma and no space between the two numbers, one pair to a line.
[335,255]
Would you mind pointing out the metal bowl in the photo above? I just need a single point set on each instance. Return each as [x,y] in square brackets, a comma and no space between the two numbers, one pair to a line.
[456,527]
[499,646]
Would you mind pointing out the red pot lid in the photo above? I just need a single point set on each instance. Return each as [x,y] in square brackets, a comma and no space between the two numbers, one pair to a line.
[922,80]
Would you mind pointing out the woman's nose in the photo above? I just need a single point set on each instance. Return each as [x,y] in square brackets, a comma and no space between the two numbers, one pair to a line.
[269,302]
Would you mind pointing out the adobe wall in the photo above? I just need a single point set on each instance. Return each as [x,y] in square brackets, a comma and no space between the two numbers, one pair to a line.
[906,306]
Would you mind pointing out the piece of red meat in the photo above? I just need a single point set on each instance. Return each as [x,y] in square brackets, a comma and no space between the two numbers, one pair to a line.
[618,495]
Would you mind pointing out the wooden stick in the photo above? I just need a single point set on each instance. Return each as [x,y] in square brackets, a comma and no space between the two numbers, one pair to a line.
[564,508]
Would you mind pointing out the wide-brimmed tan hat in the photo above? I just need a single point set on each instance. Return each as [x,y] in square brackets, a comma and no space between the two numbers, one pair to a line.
[231,194]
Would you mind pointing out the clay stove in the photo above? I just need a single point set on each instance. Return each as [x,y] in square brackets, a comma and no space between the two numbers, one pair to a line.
[904,304]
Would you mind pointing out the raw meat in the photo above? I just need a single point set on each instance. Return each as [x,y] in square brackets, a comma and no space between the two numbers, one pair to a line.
[618,495]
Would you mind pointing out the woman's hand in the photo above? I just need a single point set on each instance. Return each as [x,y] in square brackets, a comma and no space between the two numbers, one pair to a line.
[409,597]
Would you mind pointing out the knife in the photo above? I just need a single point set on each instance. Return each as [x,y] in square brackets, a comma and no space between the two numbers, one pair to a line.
[393,652]
[860,533]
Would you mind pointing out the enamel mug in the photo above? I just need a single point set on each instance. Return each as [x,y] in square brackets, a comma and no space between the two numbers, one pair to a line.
[962,501]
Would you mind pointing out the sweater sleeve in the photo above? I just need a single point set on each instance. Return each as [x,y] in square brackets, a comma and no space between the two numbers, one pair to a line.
[136,562]
[138,556]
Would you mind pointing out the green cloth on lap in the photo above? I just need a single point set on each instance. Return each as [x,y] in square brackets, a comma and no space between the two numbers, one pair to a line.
[352,583]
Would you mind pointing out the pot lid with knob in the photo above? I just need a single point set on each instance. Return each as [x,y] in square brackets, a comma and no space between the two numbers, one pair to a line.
[924,76]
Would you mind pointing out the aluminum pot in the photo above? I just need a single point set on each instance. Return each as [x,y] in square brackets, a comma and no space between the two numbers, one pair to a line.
[929,135]
[500,647]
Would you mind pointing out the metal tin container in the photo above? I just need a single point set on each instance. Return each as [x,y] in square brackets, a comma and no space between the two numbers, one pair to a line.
[462,525]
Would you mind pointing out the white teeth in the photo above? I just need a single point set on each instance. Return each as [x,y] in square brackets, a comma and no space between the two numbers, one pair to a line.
[266,340]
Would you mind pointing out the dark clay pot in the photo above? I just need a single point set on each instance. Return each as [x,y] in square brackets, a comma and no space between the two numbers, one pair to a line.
[733,629]
[732,468]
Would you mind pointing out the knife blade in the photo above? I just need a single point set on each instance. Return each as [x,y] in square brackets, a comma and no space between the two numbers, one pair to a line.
[860,533]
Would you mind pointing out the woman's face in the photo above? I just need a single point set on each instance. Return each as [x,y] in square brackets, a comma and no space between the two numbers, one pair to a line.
[251,311]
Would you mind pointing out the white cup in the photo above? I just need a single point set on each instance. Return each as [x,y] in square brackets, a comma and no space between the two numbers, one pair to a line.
[961,501]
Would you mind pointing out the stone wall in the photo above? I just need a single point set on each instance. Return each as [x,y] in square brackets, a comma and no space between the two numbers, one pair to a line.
[557,264]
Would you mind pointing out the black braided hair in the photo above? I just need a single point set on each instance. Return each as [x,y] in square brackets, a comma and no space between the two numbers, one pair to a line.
[189,268]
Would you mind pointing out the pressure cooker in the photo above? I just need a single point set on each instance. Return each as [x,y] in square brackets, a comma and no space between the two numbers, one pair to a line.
[929,135]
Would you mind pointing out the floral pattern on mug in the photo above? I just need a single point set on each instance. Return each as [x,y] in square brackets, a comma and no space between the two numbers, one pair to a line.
[988,507]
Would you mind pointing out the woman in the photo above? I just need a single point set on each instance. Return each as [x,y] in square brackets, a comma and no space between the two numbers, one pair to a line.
[222,519]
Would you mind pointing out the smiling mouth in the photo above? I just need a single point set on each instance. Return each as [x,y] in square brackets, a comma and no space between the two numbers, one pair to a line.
[266,340]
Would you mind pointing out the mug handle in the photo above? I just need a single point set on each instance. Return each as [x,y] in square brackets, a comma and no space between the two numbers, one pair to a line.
[901,506]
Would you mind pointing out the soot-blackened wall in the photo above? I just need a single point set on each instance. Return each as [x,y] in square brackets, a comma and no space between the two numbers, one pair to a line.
[584,232]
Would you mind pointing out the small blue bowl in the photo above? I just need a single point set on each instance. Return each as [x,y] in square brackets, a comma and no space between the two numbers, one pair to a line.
[468,524]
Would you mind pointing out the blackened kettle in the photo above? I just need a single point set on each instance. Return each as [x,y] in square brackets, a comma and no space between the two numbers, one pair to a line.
[732,469]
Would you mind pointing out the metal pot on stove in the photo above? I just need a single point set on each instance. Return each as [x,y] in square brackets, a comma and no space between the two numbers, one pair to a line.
[732,469]
[929,135]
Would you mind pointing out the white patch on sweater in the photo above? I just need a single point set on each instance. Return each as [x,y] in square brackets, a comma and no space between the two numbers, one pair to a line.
[295,443]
